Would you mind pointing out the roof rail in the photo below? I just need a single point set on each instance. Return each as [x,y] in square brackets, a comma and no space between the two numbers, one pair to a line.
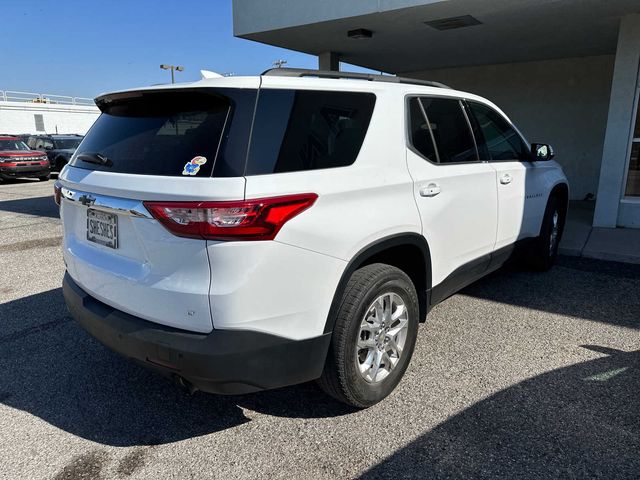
[371,77]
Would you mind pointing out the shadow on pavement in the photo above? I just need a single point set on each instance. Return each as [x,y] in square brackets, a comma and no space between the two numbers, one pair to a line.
[52,369]
[582,421]
[605,292]
[36,206]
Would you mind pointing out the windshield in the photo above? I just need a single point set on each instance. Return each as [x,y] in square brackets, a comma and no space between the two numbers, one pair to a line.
[13,145]
[67,143]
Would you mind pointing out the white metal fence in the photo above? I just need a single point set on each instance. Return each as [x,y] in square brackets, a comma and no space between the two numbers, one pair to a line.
[9,96]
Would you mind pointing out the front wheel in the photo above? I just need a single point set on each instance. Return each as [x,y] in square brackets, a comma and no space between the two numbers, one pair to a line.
[544,249]
[374,336]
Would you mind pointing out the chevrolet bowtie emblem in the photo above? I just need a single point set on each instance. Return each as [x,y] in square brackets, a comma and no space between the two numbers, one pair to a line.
[87,199]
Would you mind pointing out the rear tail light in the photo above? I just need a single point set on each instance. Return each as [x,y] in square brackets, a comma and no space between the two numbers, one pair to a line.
[257,219]
[57,192]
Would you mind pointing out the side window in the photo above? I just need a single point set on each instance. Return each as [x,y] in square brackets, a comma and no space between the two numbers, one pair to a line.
[31,142]
[449,130]
[419,133]
[298,130]
[502,141]
[47,144]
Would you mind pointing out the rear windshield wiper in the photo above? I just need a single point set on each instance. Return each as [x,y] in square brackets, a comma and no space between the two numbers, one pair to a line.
[96,158]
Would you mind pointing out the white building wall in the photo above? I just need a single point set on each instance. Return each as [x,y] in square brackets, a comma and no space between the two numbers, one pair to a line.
[611,209]
[18,117]
[562,102]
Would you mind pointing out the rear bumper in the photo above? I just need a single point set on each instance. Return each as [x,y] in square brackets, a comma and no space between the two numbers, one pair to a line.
[24,171]
[223,361]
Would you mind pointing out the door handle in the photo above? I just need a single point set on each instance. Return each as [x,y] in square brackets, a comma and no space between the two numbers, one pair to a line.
[505,179]
[430,190]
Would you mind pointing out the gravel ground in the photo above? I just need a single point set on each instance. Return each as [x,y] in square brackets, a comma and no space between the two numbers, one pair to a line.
[520,375]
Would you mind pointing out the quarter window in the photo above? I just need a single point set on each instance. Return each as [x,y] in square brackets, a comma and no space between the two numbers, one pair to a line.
[298,130]
[501,140]
[441,121]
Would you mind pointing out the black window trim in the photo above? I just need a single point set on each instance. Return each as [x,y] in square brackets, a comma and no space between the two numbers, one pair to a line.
[409,144]
[529,158]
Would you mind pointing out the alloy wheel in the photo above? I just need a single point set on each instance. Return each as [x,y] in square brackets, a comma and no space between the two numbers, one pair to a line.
[382,337]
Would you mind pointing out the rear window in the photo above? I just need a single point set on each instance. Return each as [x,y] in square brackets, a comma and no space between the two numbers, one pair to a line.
[298,130]
[169,133]
[67,143]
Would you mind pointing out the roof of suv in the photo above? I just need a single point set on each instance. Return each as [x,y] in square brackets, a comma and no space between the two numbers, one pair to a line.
[313,80]
[289,77]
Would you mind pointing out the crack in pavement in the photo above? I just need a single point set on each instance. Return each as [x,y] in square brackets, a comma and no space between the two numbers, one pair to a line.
[30,244]
[43,327]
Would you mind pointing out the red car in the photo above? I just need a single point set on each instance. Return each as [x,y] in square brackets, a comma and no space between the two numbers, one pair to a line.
[17,160]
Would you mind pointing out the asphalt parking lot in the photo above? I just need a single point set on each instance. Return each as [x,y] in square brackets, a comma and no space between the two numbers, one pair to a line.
[520,375]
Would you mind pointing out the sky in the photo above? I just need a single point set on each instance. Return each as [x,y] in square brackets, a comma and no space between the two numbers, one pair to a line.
[85,47]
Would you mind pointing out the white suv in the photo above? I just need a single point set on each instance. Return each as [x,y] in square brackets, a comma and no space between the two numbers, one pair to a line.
[247,233]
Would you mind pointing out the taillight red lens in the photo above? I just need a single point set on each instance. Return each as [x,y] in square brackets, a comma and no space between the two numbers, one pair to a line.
[257,219]
[57,193]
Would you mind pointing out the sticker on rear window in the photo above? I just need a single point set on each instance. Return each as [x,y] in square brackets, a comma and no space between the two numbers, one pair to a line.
[193,166]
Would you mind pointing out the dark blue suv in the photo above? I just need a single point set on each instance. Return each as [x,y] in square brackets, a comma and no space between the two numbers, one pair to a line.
[59,148]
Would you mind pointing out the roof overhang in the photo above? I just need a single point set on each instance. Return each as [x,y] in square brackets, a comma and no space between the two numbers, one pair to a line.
[508,30]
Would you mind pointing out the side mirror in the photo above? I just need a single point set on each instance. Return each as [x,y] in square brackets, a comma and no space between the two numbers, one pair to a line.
[541,152]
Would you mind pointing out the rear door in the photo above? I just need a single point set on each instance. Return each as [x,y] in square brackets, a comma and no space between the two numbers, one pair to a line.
[179,145]
[455,193]
[520,181]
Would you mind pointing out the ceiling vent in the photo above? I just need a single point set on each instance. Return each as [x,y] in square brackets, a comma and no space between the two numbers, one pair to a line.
[452,23]
[360,33]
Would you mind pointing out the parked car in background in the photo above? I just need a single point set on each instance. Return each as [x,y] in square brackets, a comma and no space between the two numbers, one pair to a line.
[18,160]
[22,136]
[58,148]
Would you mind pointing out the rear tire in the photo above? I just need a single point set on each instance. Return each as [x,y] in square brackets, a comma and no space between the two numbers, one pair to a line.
[544,251]
[373,338]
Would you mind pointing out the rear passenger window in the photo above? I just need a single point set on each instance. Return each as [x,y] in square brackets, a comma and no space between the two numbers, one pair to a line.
[443,121]
[421,139]
[502,141]
[298,130]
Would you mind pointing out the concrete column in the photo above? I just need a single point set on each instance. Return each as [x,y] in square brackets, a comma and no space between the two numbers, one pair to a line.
[329,61]
[619,123]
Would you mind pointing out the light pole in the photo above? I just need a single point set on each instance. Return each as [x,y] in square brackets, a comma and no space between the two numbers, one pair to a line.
[178,68]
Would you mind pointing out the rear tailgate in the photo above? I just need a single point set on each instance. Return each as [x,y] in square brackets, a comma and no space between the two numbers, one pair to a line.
[150,273]
[151,146]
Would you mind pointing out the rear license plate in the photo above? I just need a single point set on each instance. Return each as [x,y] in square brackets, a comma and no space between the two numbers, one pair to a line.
[102,228]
